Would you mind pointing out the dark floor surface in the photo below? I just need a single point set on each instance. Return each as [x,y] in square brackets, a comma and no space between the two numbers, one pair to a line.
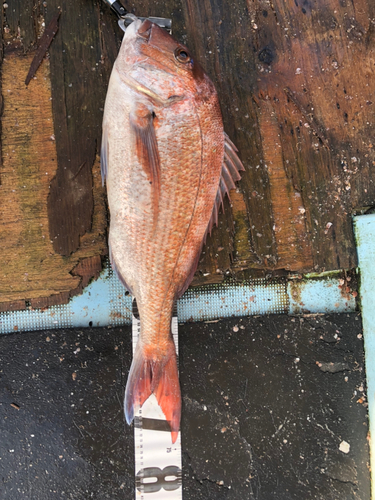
[267,401]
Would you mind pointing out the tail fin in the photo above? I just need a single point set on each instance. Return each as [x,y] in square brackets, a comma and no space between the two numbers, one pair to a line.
[152,375]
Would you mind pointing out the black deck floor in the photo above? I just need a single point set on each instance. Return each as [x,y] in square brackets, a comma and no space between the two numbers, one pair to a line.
[267,401]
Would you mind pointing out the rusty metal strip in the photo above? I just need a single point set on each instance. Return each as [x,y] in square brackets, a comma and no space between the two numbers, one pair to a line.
[44,43]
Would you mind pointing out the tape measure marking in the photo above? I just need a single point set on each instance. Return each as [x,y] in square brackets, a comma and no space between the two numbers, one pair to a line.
[158,465]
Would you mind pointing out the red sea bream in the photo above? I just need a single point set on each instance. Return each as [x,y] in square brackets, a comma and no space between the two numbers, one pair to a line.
[167,164]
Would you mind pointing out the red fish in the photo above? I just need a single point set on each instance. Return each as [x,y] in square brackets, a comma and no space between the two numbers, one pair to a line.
[167,164]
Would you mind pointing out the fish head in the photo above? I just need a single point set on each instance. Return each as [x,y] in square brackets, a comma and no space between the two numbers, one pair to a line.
[148,45]
[164,49]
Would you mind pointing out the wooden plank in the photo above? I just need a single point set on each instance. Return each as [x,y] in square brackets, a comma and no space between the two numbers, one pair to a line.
[266,53]
[293,246]
[32,271]
[317,80]
[17,305]
[295,83]
[19,16]
[74,54]
[30,267]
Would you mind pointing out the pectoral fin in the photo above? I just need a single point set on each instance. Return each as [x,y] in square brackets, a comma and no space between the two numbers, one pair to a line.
[142,123]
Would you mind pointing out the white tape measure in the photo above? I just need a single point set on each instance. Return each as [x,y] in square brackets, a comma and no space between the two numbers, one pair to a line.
[158,474]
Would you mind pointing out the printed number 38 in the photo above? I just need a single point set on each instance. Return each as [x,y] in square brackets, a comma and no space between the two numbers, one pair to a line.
[153,479]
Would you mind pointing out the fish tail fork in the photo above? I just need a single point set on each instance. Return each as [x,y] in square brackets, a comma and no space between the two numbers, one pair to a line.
[150,374]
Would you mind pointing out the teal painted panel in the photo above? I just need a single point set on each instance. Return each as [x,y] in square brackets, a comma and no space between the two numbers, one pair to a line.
[364,226]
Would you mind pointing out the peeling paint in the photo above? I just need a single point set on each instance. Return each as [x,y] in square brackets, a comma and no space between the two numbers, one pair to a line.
[324,295]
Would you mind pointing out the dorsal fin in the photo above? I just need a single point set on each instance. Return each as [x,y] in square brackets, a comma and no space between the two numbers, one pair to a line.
[231,159]
[230,174]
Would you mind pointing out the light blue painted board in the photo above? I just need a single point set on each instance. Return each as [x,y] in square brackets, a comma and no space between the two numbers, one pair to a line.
[104,302]
[365,234]
[324,295]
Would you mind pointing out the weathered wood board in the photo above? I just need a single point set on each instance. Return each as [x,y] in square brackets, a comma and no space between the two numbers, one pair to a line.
[296,85]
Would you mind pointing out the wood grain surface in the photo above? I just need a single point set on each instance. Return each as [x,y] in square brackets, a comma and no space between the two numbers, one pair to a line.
[296,85]
[33,273]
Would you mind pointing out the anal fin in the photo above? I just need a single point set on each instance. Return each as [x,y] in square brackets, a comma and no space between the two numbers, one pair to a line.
[117,271]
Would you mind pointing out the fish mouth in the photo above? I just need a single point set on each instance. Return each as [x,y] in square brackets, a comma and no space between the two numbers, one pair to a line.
[132,30]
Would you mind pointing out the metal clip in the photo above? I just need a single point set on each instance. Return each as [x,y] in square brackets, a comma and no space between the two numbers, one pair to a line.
[126,18]
[117,8]
[163,22]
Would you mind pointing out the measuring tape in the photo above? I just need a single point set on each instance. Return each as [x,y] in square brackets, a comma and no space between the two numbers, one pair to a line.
[158,474]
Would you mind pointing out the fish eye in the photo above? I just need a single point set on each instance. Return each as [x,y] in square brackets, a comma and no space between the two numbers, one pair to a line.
[182,55]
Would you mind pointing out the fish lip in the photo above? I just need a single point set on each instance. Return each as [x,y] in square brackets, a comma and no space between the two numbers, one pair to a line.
[144,31]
